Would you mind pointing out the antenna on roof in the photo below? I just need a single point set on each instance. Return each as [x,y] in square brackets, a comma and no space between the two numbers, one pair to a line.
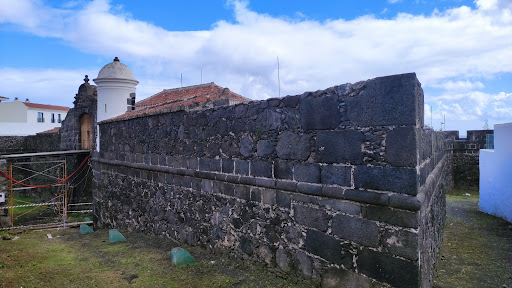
[201,75]
[181,75]
[278,79]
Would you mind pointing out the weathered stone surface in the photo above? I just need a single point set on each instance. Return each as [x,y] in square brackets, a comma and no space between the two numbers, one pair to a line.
[241,167]
[293,146]
[303,264]
[339,146]
[342,278]
[283,260]
[401,147]
[365,196]
[391,100]
[261,169]
[307,172]
[265,148]
[401,180]
[386,268]
[283,169]
[246,146]
[401,242]
[311,217]
[319,113]
[265,254]
[358,230]
[392,216]
[347,207]
[327,247]
[338,175]
[246,245]
[228,165]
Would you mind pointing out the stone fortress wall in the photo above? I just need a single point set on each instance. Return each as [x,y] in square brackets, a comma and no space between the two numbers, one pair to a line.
[338,185]
[465,153]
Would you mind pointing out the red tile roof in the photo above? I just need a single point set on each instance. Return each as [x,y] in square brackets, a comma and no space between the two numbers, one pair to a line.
[44,106]
[51,131]
[191,97]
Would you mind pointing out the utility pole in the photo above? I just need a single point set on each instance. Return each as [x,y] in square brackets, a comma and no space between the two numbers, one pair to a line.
[278,79]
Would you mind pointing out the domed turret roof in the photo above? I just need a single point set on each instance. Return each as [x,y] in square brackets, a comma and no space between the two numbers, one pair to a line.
[115,70]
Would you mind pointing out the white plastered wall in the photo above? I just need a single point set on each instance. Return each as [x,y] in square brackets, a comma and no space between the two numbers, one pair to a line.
[496,174]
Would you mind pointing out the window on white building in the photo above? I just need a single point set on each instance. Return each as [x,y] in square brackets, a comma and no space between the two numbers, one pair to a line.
[58,118]
[53,118]
[40,117]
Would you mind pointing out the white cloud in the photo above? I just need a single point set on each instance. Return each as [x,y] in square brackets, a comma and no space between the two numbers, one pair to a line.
[460,43]
[460,85]
[393,1]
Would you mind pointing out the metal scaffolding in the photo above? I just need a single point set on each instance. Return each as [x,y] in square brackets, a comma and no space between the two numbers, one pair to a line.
[50,170]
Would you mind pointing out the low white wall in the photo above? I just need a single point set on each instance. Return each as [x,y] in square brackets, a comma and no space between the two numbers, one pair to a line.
[496,174]
[25,129]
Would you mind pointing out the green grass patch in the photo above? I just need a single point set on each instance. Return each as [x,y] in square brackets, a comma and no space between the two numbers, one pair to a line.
[476,249]
[75,260]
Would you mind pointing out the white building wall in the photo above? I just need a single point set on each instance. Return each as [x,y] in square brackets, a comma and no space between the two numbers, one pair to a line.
[16,119]
[14,111]
[47,114]
[496,174]
[24,129]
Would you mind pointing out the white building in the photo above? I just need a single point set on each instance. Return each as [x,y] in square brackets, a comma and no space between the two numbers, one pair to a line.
[19,118]
[495,172]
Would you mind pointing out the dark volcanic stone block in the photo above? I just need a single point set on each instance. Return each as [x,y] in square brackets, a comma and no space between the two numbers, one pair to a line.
[369,197]
[388,269]
[228,165]
[261,169]
[401,180]
[339,175]
[264,148]
[339,146]
[293,146]
[307,172]
[391,216]
[310,189]
[391,100]
[283,199]
[402,243]
[311,217]
[327,247]
[241,167]
[401,148]
[283,170]
[319,113]
[358,230]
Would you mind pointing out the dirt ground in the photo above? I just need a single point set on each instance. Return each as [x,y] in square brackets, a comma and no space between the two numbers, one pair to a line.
[477,247]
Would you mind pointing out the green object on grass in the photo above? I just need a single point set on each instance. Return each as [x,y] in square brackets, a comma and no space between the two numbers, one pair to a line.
[180,257]
[86,219]
[85,229]
[115,236]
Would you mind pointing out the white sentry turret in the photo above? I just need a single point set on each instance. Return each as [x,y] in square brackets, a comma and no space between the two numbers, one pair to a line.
[116,91]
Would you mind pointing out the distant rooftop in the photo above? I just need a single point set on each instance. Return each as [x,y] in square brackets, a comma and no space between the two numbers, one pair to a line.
[187,98]
[44,106]
[51,131]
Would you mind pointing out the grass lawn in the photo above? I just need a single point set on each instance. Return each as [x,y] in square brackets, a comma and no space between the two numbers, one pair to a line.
[70,259]
[477,247]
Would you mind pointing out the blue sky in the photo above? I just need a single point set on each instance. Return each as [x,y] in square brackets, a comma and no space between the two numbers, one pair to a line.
[461,50]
